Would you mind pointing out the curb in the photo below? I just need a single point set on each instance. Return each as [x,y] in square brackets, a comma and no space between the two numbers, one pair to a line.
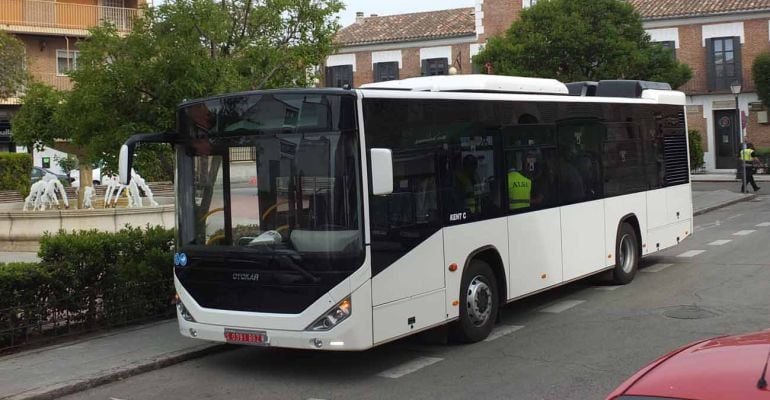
[109,376]
[731,202]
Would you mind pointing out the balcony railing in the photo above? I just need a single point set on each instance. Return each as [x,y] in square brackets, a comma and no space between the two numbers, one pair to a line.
[50,14]
[60,82]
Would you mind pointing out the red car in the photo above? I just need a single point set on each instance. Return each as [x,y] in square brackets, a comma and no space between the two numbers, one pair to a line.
[724,368]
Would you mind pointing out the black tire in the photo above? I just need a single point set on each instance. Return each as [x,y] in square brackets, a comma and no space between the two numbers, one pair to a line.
[470,328]
[627,255]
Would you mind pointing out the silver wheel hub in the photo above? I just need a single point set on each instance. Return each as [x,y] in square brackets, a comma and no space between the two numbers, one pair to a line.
[627,253]
[479,301]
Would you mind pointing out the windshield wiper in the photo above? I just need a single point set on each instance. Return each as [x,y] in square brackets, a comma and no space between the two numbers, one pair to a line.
[289,262]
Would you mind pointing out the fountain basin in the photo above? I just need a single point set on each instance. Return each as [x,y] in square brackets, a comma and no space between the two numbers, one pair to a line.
[21,231]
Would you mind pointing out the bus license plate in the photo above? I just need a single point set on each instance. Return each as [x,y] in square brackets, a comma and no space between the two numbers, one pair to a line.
[239,336]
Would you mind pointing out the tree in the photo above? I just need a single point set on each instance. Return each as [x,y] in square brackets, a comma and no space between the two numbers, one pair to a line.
[185,49]
[760,70]
[581,40]
[12,73]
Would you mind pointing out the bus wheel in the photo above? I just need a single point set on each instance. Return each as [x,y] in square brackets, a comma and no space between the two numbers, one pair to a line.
[478,304]
[627,255]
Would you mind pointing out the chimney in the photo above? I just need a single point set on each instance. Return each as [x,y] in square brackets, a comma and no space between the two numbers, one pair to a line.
[360,17]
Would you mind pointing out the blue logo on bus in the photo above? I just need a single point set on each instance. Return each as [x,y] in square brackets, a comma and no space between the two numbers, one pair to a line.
[180,259]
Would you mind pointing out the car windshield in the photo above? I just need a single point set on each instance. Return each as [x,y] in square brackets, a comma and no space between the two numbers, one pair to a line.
[271,173]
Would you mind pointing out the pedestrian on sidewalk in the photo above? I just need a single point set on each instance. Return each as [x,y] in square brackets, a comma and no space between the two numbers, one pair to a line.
[748,161]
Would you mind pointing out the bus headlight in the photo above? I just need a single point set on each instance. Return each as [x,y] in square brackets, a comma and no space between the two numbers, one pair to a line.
[183,312]
[333,317]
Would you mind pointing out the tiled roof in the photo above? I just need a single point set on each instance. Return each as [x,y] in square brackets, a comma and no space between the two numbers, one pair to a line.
[658,9]
[406,27]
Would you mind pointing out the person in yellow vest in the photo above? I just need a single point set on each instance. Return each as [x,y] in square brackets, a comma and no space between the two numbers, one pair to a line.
[467,179]
[519,190]
[747,157]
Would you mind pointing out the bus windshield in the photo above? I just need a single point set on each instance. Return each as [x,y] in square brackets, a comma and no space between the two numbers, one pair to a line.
[272,174]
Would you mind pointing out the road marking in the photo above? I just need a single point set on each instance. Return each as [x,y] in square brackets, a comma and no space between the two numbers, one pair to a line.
[656,268]
[608,288]
[734,216]
[691,253]
[409,367]
[501,331]
[764,224]
[562,306]
[744,233]
[720,242]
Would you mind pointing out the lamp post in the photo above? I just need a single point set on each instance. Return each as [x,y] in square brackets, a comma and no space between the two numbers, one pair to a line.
[735,88]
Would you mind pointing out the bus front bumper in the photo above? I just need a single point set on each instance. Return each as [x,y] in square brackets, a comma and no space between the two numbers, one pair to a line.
[352,333]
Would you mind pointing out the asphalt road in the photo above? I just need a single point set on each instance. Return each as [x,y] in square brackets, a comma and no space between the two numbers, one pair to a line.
[593,338]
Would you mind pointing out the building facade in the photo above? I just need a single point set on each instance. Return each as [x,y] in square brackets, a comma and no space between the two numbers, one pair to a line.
[719,40]
[51,31]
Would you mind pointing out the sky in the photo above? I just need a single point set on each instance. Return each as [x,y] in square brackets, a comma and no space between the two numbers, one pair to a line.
[389,7]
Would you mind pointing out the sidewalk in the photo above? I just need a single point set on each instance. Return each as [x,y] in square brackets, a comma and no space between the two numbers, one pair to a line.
[703,202]
[56,371]
[725,177]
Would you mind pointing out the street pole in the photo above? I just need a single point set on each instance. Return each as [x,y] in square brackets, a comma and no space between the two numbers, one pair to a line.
[736,89]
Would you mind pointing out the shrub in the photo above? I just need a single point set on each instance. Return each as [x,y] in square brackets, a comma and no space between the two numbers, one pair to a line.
[696,149]
[111,276]
[87,280]
[24,289]
[15,172]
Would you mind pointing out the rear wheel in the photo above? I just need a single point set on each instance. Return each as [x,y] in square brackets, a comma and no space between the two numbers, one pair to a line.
[478,304]
[627,255]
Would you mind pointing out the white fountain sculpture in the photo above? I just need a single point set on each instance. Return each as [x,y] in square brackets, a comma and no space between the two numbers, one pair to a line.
[35,191]
[42,194]
[139,182]
[88,196]
[113,191]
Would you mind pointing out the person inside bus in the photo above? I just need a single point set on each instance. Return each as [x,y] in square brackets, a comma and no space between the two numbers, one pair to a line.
[466,182]
[520,184]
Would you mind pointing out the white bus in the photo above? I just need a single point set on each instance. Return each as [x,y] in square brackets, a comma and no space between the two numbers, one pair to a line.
[342,219]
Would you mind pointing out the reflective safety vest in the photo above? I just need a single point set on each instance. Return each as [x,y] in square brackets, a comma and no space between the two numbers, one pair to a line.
[747,154]
[519,190]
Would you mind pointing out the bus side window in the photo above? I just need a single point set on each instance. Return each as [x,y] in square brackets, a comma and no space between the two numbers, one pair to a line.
[531,166]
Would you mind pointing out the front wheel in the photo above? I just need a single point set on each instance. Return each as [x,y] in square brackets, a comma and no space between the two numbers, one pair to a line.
[627,255]
[478,304]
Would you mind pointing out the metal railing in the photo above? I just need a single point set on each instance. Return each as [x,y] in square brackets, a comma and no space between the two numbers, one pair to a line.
[50,14]
[60,82]
[52,318]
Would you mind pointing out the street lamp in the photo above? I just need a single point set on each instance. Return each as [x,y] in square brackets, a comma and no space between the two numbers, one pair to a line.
[735,88]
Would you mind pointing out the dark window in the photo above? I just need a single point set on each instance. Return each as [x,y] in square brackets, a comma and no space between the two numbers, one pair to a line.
[623,159]
[532,175]
[580,158]
[723,62]
[385,71]
[435,66]
[669,45]
[339,76]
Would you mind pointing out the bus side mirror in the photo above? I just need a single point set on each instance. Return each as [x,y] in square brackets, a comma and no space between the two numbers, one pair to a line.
[125,162]
[126,158]
[382,171]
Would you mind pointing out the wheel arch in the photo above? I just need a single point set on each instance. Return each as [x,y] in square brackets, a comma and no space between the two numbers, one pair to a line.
[491,256]
[632,220]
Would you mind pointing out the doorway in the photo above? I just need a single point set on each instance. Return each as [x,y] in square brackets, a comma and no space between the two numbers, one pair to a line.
[725,139]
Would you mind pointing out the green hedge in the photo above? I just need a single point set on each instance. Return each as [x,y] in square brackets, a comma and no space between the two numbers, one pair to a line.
[87,280]
[15,171]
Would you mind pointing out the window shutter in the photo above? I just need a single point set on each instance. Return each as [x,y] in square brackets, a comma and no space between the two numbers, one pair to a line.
[329,81]
[377,74]
[425,68]
[396,71]
[445,66]
[738,63]
[710,68]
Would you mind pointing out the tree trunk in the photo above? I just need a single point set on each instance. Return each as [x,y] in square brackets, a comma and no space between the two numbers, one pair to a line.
[86,179]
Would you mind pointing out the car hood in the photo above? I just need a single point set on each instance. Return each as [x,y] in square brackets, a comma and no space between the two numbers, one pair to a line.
[721,368]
